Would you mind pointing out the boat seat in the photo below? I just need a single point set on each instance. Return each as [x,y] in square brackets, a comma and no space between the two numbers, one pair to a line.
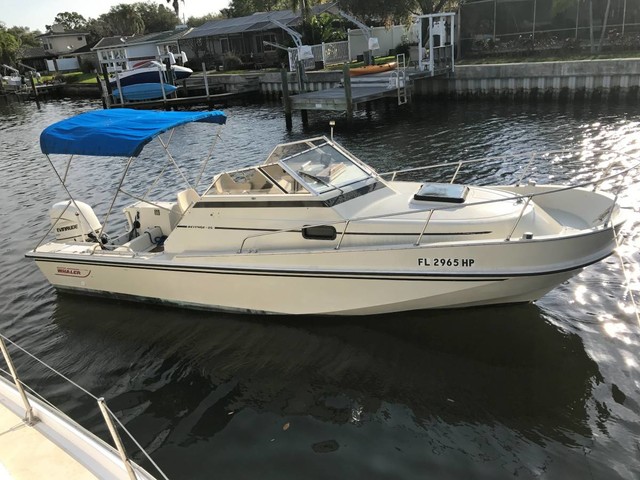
[226,184]
[186,198]
[145,242]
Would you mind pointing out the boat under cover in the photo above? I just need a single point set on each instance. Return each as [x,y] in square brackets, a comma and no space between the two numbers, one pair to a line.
[149,72]
[314,230]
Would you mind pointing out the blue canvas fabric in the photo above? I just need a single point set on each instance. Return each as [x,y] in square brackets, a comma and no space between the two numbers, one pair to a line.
[116,133]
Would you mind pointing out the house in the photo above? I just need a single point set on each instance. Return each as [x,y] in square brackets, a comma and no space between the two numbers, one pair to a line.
[243,37]
[58,41]
[124,53]
[35,57]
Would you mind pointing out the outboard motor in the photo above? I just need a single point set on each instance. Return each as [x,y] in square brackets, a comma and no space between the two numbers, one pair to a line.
[71,223]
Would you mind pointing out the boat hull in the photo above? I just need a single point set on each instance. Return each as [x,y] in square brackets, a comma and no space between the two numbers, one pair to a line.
[149,75]
[350,282]
[145,91]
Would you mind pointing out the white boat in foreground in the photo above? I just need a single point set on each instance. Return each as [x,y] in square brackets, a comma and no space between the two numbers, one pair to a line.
[39,441]
[314,230]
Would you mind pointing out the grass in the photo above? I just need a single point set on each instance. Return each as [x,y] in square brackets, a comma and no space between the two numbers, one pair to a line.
[73,77]
[566,57]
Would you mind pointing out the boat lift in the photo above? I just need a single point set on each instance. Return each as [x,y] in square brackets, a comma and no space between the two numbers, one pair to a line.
[435,52]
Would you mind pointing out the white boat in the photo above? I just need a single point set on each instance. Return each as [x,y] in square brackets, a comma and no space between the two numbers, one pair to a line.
[39,441]
[314,230]
[148,72]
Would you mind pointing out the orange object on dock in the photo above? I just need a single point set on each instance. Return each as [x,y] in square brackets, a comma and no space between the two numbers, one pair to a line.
[369,69]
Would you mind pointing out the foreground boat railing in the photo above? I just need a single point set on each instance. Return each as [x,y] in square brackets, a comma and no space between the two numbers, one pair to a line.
[109,417]
[548,155]
[604,217]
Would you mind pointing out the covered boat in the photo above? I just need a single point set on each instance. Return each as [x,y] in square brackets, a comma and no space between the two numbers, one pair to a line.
[149,72]
[314,230]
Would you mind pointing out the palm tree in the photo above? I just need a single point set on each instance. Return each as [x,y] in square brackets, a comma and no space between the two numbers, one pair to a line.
[176,6]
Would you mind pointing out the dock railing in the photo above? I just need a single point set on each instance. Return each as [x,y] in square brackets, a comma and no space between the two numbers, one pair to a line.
[109,417]
[604,217]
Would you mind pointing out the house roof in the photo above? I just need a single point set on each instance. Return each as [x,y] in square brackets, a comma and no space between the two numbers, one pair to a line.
[124,41]
[66,33]
[253,23]
[34,52]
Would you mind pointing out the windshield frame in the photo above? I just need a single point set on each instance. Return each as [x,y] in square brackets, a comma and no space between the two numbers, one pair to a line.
[339,158]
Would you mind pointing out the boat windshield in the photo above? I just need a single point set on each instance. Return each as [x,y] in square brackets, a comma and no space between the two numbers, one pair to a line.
[323,168]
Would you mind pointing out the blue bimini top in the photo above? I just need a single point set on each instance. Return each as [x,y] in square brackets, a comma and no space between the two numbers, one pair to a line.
[116,133]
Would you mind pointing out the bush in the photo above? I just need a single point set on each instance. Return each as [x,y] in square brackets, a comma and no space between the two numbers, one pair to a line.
[231,61]
[403,47]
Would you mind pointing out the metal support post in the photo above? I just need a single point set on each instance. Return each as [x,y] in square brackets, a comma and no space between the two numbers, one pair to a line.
[116,439]
[29,417]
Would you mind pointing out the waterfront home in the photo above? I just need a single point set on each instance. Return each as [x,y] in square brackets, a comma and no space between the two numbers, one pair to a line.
[124,53]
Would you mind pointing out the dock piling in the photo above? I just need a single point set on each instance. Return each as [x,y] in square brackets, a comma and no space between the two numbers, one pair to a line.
[285,98]
[35,90]
[346,81]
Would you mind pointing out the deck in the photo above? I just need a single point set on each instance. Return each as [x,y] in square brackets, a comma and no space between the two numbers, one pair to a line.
[28,454]
[335,98]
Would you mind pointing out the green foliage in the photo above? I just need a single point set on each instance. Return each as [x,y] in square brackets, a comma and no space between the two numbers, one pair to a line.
[156,18]
[385,12]
[121,19]
[231,61]
[25,37]
[242,8]
[70,20]
[9,46]
[197,21]
[324,28]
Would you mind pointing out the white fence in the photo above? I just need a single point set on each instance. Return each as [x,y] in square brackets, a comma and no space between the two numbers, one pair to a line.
[388,38]
[64,65]
[327,53]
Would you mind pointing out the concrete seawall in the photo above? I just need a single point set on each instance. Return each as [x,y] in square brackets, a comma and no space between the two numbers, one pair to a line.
[571,79]
[574,79]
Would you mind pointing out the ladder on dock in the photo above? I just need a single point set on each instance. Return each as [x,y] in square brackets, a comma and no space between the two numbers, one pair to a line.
[401,79]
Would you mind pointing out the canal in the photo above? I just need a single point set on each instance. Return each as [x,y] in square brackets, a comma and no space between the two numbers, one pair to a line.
[544,390]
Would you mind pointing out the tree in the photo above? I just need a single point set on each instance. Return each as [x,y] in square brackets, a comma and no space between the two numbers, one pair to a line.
[122,19]
[25,37]
[384,12]
[176,6]
[9,46]
[156,18]
[70,21]
[324,28]
[197,21]
[242,8]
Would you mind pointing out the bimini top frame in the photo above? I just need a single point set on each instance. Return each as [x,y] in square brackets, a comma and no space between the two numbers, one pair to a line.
[118,133]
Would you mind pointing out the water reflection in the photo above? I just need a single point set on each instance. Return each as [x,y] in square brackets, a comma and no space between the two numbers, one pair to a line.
[498,369]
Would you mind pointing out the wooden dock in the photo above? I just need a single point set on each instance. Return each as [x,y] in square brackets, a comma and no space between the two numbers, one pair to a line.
[351,95]
[168,103]
[336,99]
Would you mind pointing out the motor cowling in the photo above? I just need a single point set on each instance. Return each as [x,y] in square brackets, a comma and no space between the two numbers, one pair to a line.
[74,221]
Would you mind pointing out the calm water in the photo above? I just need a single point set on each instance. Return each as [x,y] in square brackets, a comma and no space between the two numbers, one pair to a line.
[547,390]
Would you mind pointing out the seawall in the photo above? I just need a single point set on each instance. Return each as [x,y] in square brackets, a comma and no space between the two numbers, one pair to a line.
[571,79]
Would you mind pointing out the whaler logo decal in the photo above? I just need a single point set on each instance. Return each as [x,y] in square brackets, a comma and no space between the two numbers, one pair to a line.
[72,272]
